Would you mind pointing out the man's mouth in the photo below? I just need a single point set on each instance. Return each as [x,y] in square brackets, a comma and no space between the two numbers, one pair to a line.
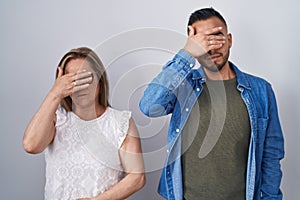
[215,56]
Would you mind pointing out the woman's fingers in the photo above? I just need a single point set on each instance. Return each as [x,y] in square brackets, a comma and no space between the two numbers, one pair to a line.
[80,87]
[82,74]
[86,80]
[60,72]
[82,78]
[72,82]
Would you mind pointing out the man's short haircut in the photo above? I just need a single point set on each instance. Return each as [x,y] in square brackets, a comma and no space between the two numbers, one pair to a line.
[203,14]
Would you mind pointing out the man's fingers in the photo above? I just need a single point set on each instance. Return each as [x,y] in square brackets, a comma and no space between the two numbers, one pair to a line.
[215,41]
[191,31]
[214,46]
[213,30]
[216,37]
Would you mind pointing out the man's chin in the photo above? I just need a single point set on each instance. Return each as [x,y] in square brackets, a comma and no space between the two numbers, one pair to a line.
[213,68]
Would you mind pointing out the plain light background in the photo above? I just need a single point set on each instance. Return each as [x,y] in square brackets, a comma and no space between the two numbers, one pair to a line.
[36,34]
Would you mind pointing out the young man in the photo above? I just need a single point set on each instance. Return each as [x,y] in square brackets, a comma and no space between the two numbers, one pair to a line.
[225,139]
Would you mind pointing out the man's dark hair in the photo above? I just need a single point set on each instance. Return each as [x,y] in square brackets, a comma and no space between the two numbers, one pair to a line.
[204,14]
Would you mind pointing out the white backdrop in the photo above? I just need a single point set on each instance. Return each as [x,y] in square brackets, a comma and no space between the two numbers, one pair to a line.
[36,34]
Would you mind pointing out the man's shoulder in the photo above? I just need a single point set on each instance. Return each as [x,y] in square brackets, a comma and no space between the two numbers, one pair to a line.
[251,78]
[256,79]
[259,87]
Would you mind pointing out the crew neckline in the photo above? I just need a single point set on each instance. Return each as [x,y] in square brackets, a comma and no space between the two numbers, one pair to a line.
[92,120]
[234,79]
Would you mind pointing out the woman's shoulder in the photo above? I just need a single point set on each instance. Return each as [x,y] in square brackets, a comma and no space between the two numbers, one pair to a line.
[120,119]
[119,115]
[62,116]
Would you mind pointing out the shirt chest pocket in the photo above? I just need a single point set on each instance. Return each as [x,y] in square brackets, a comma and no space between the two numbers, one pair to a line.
[262,124]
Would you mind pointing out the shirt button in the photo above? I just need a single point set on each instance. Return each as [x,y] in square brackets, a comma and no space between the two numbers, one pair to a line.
[198,89]
[191,65]
[177,130]
[187,110]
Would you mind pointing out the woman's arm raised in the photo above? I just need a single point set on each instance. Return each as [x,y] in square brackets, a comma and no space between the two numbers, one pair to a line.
[41,129]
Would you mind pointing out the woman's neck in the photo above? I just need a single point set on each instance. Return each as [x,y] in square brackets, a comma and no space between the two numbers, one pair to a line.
[89,112]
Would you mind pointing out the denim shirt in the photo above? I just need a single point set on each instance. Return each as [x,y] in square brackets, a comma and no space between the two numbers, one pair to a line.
[176,89]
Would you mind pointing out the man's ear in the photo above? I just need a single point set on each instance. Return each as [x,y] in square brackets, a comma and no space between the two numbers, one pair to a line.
[229,38]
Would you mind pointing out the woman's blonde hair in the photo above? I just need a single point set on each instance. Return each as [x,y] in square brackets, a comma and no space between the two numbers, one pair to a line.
[90,56]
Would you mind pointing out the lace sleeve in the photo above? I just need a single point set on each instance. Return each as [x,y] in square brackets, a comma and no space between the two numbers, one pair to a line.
[123,125]
[61,116]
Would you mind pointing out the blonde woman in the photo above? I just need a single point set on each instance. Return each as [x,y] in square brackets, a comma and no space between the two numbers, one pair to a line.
[88,145]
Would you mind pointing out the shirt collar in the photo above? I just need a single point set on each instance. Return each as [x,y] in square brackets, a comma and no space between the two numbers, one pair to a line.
[241,78]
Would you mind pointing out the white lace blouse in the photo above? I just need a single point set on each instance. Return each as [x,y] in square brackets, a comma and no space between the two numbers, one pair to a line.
[83,160]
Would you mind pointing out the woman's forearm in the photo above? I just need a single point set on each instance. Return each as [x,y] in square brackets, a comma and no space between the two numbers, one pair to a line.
[41,129]
[126,187]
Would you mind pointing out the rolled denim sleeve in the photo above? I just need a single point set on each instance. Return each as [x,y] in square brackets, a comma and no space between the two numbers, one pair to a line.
[160,95]
[272,154]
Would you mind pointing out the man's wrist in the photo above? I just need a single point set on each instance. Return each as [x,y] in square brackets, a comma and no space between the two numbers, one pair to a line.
[187,57]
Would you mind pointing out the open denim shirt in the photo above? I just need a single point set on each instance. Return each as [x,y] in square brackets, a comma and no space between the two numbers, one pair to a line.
[176,89]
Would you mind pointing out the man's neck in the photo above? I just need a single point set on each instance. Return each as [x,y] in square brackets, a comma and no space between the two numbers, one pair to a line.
[226,73]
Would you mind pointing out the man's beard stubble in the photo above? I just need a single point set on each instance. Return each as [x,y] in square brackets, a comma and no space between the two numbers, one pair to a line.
[210,65]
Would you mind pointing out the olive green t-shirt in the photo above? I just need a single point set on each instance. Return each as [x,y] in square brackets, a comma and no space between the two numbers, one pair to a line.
[215,142]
